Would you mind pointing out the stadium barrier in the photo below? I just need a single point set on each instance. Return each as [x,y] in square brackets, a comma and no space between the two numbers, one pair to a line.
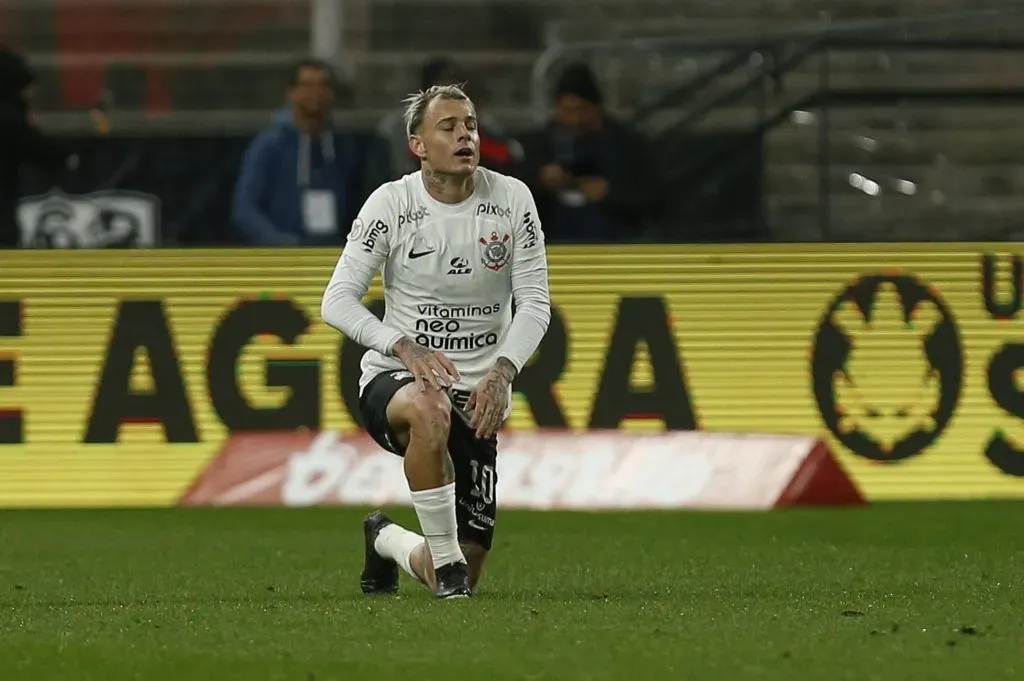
[123,372]
[538,470]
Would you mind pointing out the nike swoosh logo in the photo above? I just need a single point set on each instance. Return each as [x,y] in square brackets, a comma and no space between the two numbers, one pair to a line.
[413,254]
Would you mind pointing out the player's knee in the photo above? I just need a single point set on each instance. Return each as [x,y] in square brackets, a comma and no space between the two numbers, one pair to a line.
[429,415]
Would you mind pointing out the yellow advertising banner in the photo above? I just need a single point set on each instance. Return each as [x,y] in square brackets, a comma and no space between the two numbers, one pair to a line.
[122,372]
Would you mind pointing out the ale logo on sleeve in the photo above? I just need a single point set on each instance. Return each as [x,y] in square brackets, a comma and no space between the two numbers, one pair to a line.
[887,366]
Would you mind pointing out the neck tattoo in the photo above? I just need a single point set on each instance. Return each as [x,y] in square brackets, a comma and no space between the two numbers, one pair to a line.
[448,188]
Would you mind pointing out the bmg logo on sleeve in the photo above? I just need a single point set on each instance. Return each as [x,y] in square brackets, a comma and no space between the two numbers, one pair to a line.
[371,235]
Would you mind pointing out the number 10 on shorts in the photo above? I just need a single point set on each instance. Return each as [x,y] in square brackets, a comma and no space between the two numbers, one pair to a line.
[483,481]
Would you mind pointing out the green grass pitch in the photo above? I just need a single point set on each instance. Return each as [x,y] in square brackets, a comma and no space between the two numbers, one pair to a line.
[929,591]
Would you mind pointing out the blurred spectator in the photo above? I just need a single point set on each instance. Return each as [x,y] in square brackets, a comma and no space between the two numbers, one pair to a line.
[300,179]
[589,173]
[20,142]
[497,151]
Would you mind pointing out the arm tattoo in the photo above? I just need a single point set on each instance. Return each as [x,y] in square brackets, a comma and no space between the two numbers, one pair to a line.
[407,346]
[504,371]
[506,368]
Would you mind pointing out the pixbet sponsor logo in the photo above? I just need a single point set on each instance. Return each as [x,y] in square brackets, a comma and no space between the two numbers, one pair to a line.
[412,216]
[493,209]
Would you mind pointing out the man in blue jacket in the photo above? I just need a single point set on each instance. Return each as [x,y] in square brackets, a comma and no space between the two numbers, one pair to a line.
[296,179]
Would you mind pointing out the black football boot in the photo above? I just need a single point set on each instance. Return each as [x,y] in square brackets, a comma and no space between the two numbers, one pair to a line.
[452,581]
[380,574]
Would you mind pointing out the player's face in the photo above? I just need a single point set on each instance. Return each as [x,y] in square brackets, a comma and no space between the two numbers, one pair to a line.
[449,140]
[311,94]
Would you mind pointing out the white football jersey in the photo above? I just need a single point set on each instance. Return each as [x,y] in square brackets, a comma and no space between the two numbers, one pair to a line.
[449,273]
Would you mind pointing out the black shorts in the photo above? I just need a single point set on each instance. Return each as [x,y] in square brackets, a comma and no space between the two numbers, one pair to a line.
[474,460]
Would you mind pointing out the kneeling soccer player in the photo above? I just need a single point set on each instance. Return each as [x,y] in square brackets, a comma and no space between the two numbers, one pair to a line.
[455,244]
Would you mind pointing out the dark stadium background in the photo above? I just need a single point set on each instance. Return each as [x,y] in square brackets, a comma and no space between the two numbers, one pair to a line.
[804,148]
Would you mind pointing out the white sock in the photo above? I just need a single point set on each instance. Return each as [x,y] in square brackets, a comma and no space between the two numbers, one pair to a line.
[436,510]
[397,543]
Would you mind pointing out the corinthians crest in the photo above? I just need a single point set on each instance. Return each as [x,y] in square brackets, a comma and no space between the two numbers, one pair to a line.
[887,366]
[497,251]
[888,388]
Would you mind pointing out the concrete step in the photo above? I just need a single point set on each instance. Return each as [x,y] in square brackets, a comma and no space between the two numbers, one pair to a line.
[984,181]
[916,118]
[717,9]
[866,218]
[682,25]
[625,90]
[207,25]
[954,147]
[255,78]
[632,82]
[439,25]
[234,81]
[495,78]
[258,80]
[862,120]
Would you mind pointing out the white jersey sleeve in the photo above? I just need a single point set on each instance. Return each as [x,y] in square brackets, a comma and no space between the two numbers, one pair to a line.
[369,243]
[529,280]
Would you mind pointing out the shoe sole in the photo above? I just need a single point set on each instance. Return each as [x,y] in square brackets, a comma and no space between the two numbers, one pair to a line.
[379,592]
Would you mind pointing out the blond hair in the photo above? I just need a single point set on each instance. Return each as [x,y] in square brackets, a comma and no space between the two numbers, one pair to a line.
[416,104]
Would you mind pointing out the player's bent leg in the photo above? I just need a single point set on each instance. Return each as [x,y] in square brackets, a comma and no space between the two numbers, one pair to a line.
[380,567]
[421,421]
[476,556]
[423,569]
[388,547]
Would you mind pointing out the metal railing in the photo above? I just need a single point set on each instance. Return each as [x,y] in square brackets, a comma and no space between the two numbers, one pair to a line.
[856,30]
[756,64]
